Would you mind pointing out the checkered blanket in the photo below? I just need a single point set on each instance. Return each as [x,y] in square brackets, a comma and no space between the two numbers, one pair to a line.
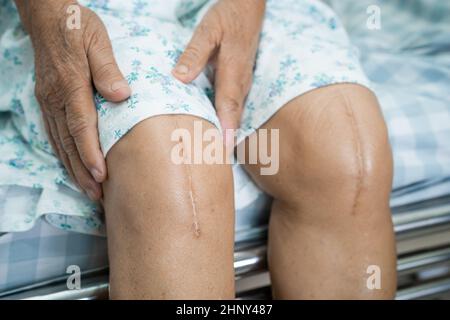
[408,61]
[44,253]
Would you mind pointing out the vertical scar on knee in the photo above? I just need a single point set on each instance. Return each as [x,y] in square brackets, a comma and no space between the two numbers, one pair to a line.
[195,224]
[359,155]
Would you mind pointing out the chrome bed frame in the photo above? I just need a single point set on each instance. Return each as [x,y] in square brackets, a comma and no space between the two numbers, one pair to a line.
[423,246]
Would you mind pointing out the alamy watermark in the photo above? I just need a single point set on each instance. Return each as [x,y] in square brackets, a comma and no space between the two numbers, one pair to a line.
[374,17]
[206,147]
[73,21]
[74,279]
[373,282]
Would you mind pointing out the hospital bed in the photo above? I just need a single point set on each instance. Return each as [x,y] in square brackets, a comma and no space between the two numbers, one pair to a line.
[407,58]
[423,245]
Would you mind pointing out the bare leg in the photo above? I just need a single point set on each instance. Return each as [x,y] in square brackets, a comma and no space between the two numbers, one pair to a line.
[330,219]
[170,227]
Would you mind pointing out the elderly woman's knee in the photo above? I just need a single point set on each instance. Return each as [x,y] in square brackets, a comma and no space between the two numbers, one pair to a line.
[144,176]
[332,140]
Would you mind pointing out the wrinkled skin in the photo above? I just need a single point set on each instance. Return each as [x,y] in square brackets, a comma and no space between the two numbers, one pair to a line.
[70,63]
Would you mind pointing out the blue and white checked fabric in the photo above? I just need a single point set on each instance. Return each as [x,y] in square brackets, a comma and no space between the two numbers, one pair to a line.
[408,62]
[45,252]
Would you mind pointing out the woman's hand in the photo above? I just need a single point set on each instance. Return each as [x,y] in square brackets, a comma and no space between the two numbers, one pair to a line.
[229,34]
[68,61]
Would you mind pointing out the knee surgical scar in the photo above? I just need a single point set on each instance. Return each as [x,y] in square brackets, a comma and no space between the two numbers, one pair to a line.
[358,151]
[195,223]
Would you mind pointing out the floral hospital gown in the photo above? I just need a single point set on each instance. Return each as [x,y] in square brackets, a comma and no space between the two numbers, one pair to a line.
[303,46]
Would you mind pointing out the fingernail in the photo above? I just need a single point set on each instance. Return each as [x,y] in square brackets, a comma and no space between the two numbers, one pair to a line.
[181,69]
[119,85]
[98,176]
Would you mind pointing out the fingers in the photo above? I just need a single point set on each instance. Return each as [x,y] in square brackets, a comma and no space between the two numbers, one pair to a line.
[81,120]
[108,79]
[197,53]
[55,141]
[71,155]
[232,84]
[74,136]
[72,132]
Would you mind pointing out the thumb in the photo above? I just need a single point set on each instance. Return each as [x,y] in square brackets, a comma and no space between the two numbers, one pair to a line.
[108,79]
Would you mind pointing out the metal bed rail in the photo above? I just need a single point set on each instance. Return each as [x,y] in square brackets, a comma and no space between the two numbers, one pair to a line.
[425,230]
[249,263]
